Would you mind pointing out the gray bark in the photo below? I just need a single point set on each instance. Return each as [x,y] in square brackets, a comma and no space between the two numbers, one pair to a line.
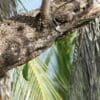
[86,77]
[24,37]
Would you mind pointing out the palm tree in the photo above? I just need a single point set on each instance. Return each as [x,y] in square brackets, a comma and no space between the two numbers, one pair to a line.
[59,76]
[86,75]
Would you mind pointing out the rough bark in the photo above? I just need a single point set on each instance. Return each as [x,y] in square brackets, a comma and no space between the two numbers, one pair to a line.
[86,76]
[24,37]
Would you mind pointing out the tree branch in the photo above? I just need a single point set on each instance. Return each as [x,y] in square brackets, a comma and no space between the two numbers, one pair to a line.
[45,9]
[69,20]
[22,38]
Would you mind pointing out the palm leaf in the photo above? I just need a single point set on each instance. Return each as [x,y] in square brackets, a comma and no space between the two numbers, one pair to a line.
[38,88]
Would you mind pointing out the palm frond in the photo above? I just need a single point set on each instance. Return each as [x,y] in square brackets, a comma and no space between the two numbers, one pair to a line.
[39,87]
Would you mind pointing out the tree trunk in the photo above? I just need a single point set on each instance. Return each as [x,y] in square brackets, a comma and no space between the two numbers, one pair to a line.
[86,76]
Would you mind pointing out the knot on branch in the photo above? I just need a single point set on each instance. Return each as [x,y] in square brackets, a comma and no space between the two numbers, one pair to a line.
[42,22]
[74,14]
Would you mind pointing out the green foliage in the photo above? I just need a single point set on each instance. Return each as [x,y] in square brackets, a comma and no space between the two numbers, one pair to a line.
[61,64]
[38,88]
[49,75]
[25,71]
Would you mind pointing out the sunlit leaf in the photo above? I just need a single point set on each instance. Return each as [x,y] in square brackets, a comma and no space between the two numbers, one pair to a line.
[39,87]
